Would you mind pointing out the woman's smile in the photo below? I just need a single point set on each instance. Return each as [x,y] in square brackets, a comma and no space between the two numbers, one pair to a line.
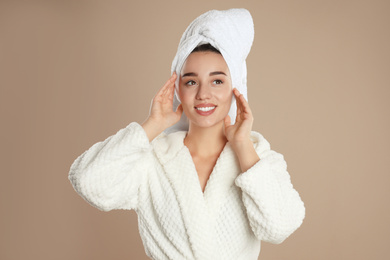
[205,109]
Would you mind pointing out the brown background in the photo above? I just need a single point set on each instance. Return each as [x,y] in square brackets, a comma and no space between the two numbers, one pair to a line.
[73,73]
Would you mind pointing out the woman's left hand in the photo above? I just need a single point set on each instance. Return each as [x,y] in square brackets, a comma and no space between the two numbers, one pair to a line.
[241,130]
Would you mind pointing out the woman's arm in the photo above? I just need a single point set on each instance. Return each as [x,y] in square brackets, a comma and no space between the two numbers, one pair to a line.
[108,175]
[274,208]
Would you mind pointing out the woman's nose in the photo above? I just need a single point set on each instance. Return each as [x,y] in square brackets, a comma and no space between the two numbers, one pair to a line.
[204,92]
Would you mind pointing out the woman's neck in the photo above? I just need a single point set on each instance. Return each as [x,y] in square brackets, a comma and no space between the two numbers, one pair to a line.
[205,141]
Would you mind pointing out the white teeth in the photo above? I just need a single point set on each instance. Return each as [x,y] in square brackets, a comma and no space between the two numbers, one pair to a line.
[205,108]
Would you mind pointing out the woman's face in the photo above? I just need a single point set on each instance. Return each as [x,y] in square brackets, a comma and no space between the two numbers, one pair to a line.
[205,88]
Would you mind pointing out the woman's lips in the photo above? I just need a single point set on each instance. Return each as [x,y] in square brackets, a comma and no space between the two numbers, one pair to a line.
[205,109]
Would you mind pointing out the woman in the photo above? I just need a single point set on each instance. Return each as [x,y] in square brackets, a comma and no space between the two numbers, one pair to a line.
[213,191]
[206,100]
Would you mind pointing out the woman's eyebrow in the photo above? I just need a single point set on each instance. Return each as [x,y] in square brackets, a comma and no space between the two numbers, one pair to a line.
[211,74]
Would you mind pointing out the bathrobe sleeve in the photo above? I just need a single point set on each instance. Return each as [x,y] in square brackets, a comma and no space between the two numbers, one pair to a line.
[108,175]
[274,208]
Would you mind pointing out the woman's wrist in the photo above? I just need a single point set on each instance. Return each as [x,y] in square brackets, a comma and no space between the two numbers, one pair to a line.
[241,144]
[152,128]
[246,154]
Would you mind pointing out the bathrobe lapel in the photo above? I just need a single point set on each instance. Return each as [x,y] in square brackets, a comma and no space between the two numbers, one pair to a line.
[199,210]
[221,180]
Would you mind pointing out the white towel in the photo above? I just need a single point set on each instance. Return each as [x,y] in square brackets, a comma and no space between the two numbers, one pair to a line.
[231,32]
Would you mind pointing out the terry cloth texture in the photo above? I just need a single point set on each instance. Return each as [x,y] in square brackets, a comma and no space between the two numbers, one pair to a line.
[176,219]
[231,32]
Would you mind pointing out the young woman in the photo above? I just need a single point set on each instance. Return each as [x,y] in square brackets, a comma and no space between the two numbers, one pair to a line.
[206,94]
[213,191]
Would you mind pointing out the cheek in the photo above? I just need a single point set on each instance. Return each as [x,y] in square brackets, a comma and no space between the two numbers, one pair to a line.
[186,97]
[225,96]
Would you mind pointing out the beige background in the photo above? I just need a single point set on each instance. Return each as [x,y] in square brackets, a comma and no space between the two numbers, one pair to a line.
[73,73]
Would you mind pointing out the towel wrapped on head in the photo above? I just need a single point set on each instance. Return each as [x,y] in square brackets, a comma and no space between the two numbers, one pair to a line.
[231,32]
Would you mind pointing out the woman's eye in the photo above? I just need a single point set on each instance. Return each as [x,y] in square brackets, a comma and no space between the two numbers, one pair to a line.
[191,81]
[218,81]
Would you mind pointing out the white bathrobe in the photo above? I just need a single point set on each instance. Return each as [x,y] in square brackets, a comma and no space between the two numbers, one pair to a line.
[176,219]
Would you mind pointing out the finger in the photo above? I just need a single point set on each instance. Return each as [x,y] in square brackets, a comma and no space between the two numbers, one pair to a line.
[245,105]
[238,108]
[171,91]
[179,109]
[171,82]
[241,98]
[167,84]
[236,92]
[164,87]
[238,101]
[237,115]
[227,121]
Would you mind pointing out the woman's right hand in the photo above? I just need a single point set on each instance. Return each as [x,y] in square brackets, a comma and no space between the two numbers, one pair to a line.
[161,114]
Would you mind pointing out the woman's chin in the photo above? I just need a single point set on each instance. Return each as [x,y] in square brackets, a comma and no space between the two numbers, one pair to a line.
[206,123]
